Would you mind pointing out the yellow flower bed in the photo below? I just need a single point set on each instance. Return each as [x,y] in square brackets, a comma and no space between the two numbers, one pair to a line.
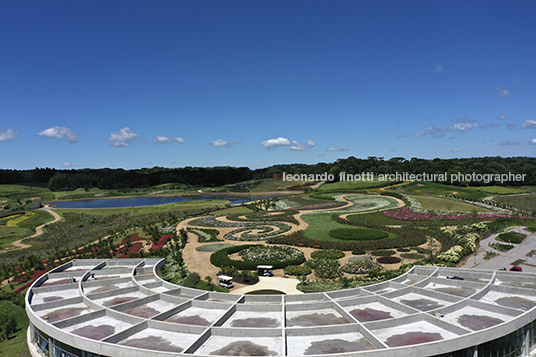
[14,222]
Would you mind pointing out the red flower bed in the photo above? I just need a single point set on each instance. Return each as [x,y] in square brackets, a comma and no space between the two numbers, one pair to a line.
[136,247]
[388,260]
[161,242]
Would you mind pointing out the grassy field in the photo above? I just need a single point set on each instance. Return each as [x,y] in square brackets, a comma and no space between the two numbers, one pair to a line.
[527,201]
[345,186]
[436,203]
[427,188]
[501,190]
[320,224]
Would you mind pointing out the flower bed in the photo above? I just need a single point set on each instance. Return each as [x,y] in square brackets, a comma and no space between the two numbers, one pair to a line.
[388,260]
[406,214]
[328,254]
[263,252]
[221,259]
[325,268]
[362,267]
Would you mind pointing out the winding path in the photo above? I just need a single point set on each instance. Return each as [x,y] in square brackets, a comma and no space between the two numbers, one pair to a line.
[38,231]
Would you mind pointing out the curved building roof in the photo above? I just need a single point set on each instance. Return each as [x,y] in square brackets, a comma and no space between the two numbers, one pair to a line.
[127,310]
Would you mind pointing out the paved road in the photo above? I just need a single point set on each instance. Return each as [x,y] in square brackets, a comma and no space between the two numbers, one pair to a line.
[505,259]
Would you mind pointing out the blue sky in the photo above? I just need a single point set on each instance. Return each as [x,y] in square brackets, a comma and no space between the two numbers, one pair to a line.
[136,84]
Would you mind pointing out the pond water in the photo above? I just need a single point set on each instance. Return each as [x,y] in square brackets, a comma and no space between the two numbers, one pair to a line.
[149,201]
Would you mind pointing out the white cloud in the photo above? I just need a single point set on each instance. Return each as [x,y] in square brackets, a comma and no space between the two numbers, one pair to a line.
[337,149]
[161,139]
[120,144]
[272,143]
[9,134]
[122,137]
[165,139]
[66,164]
[506,143]
[60,132]
[529,124]
[310,144]
[224,143]
[420,133]
[402,134]
[124,134]
[463,126]
[503,93]
[438,68]
[296,146]
[532,142]
[456,150]
[502,117]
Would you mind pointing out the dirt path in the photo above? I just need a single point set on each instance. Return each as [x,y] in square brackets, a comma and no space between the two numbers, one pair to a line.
[38,231]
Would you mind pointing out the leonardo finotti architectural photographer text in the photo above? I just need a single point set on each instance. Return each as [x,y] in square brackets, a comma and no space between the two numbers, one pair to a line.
[405,176]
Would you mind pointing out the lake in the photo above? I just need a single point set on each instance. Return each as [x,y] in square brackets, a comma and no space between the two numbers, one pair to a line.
[149,201]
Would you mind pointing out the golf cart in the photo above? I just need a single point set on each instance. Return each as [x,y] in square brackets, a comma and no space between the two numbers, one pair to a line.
[265,270]
[225,281]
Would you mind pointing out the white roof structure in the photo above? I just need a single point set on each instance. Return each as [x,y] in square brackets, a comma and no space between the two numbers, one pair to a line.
[129,311]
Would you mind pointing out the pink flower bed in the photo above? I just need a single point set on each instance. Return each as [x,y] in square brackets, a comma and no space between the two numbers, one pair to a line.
[405,214]
[160,243]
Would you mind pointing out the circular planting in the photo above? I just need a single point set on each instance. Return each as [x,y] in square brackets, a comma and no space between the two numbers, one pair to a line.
[362,267]
[270,253]
[388,260]
[298,270]
[221,259]
[358,234]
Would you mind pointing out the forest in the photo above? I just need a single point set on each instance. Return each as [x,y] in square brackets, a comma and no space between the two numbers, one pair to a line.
[108,178]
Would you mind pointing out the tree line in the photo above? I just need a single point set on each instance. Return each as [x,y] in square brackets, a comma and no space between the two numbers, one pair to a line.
[106,179]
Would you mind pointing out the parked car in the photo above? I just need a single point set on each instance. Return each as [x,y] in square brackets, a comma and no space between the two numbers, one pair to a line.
[516,268]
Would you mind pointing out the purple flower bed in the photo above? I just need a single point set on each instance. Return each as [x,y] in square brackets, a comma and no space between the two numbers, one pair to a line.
[406,214]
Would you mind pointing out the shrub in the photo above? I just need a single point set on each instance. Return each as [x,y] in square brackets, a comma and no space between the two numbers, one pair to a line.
[388,260]
[511,237]
[358,234]
[328,254]
[298,270]
[404,250]
[501,247]
[412,256]
[358,252]
[383,253]
[191,280]
[325,268]
[221,259]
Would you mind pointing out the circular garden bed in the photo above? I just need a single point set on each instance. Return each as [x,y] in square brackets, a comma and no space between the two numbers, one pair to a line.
[255,254]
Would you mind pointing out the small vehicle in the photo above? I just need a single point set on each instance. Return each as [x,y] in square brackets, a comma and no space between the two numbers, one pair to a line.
[225,281]
[265,270]
[455,277]
[516,268]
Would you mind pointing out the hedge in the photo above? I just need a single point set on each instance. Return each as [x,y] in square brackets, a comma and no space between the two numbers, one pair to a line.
[221,259]
[359,234]
[328,254]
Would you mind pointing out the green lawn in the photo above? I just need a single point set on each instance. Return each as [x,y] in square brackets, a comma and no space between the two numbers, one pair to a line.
[436,203]
[320,224]
[427,188]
